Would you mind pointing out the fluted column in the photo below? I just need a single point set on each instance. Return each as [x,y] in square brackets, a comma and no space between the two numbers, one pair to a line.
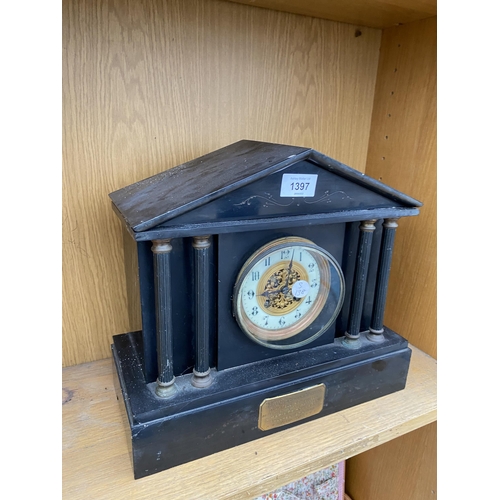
[161,249]
[362,261]
[384,268]
[201,372]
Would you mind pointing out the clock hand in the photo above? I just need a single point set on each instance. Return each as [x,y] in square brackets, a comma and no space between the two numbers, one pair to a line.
[291,261]
[285,288]
[267,293]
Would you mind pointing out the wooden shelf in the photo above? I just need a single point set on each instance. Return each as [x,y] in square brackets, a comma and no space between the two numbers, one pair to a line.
[97,461]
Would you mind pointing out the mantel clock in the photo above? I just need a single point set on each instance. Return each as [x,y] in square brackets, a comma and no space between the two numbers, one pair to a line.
[262,274]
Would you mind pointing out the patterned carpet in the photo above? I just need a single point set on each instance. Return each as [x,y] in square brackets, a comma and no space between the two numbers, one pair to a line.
[326,484]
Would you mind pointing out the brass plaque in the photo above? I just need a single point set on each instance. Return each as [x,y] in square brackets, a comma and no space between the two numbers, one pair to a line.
[290,408]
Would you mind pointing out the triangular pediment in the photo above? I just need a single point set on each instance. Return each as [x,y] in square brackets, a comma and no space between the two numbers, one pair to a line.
[274,196]
[251,179]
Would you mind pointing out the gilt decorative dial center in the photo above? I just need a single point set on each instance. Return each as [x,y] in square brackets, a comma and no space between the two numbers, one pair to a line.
[268,300]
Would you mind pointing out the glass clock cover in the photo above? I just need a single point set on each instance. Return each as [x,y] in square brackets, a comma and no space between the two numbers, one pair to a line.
[288,293]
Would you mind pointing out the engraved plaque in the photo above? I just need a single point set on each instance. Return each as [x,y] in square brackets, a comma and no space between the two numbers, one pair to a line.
[290,408]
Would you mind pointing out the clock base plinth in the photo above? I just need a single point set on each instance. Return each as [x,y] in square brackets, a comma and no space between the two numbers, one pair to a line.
[197,422]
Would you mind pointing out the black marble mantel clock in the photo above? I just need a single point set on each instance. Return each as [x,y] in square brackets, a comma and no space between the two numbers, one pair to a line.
[263,273]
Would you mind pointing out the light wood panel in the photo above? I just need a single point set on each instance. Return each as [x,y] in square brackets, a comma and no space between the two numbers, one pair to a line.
[374,13]
[402,153]
[148,85]
[402,468]
[96,460]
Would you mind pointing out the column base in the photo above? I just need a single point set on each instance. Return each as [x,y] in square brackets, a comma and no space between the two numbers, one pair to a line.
[375,335]
[351,342]
[165,390]
[201,380]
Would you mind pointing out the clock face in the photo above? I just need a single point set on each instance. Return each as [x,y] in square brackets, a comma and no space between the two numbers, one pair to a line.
[288,293]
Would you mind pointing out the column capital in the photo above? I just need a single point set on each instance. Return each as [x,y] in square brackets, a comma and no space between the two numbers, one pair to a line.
[368,226]
[161,246]
[200,242]
[391,223]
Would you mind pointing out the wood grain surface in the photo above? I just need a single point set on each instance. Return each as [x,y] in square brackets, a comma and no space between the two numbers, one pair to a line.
[402,468]
[402,152]
[374,13]
[96,439]
[148,85]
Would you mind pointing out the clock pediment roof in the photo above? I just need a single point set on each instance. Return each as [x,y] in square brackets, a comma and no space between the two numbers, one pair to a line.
[176,192]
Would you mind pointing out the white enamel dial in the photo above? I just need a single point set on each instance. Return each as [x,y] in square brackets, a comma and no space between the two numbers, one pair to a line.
[282,289]
[268,301]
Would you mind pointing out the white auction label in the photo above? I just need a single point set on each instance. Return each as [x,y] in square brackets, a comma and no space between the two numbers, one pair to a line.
[298,185]
[300,289]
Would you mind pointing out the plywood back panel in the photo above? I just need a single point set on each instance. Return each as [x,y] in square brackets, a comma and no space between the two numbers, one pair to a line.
[148,85]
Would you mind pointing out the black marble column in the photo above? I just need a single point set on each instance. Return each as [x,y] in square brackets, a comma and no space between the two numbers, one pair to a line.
[384,268]
[201,372]
[362,261]
[161,249]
